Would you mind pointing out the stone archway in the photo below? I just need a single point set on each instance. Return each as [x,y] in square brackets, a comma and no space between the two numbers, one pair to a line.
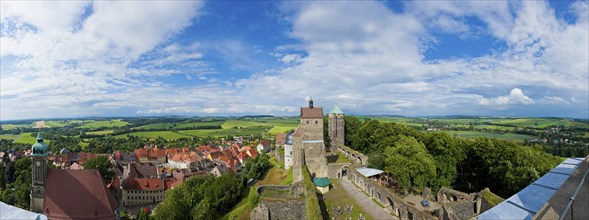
[343,171]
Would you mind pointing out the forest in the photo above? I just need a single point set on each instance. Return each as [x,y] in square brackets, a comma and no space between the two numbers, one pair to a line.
[417,159]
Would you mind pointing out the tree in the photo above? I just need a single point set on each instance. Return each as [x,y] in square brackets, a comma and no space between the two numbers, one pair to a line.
[103,165]
[409,162]
[447,154]
[351,125]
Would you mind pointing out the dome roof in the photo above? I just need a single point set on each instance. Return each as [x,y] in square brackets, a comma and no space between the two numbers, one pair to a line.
[40,147]
[336,110]
[289,138]
[63,151]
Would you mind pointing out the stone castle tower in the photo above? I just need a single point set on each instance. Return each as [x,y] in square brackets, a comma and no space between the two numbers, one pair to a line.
[308,146]
[39,156]
[336,126]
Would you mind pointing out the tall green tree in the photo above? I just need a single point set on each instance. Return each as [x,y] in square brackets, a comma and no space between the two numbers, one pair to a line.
[410,164]
[103,165]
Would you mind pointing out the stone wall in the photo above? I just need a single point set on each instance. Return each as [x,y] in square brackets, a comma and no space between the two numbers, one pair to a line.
[336,127]
[335,170]
[272,208]
[355,156]
[393,203]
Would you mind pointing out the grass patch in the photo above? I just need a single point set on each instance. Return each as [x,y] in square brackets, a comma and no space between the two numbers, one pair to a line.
[313,210]
[491,198]
[338,196]
[108,124]
[155,134]
[338,157]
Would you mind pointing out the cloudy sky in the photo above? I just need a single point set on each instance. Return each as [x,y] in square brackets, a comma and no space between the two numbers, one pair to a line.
[423,58]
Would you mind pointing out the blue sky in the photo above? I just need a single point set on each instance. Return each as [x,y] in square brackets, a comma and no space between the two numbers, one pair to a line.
[417,58]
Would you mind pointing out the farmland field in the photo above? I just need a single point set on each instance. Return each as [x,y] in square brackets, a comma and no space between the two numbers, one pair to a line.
[155,134]
[13,126]
[9,136]
[542,122]
[100,132]
[26,138]
[108,124]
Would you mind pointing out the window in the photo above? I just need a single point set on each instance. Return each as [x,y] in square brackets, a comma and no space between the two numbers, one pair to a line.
[316,122]
[290,152]
[307,121]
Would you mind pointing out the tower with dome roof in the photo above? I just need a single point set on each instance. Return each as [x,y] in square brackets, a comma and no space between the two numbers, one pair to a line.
[336,126]
[39,158]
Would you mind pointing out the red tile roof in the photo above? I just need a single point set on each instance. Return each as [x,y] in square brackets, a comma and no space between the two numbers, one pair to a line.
[253,153]
[144,184]
[77,194]
[280,138]
[298,132]
[307,112]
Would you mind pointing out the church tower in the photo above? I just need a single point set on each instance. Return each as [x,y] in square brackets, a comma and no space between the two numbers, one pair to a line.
[336,126]
[39,157]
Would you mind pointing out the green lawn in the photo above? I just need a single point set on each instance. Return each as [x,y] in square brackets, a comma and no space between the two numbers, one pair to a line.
[155,134]
[337,196]
[338,157]
[108,124]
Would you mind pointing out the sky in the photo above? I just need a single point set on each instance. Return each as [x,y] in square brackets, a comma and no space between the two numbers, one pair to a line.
[229,58]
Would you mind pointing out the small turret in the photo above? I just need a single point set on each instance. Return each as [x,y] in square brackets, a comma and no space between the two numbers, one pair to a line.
[311,102]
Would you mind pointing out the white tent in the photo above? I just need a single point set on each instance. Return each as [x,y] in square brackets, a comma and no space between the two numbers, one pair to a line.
[10,212]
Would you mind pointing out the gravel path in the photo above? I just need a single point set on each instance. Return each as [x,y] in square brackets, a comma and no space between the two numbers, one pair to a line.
[367,204]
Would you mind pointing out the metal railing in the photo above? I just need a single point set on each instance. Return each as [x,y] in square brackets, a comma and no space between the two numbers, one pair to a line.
[572,199]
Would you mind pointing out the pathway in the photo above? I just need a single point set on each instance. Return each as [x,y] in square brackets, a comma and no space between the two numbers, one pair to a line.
[367,204]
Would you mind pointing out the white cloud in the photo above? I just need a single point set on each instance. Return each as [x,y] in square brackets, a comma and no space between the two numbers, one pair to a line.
[515,97]
[553,100]
[358,54]
[74,61]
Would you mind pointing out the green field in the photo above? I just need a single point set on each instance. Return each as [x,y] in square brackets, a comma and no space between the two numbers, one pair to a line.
[56,123]
[252,130]
[9,136]
[26,138]
[476,134]
[282,125]
[155,134]
[197,124]
[13,126]
[100,132]
[108,124]
[542,122]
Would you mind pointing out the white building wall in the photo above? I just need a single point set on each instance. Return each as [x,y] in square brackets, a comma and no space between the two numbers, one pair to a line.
[288,154]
